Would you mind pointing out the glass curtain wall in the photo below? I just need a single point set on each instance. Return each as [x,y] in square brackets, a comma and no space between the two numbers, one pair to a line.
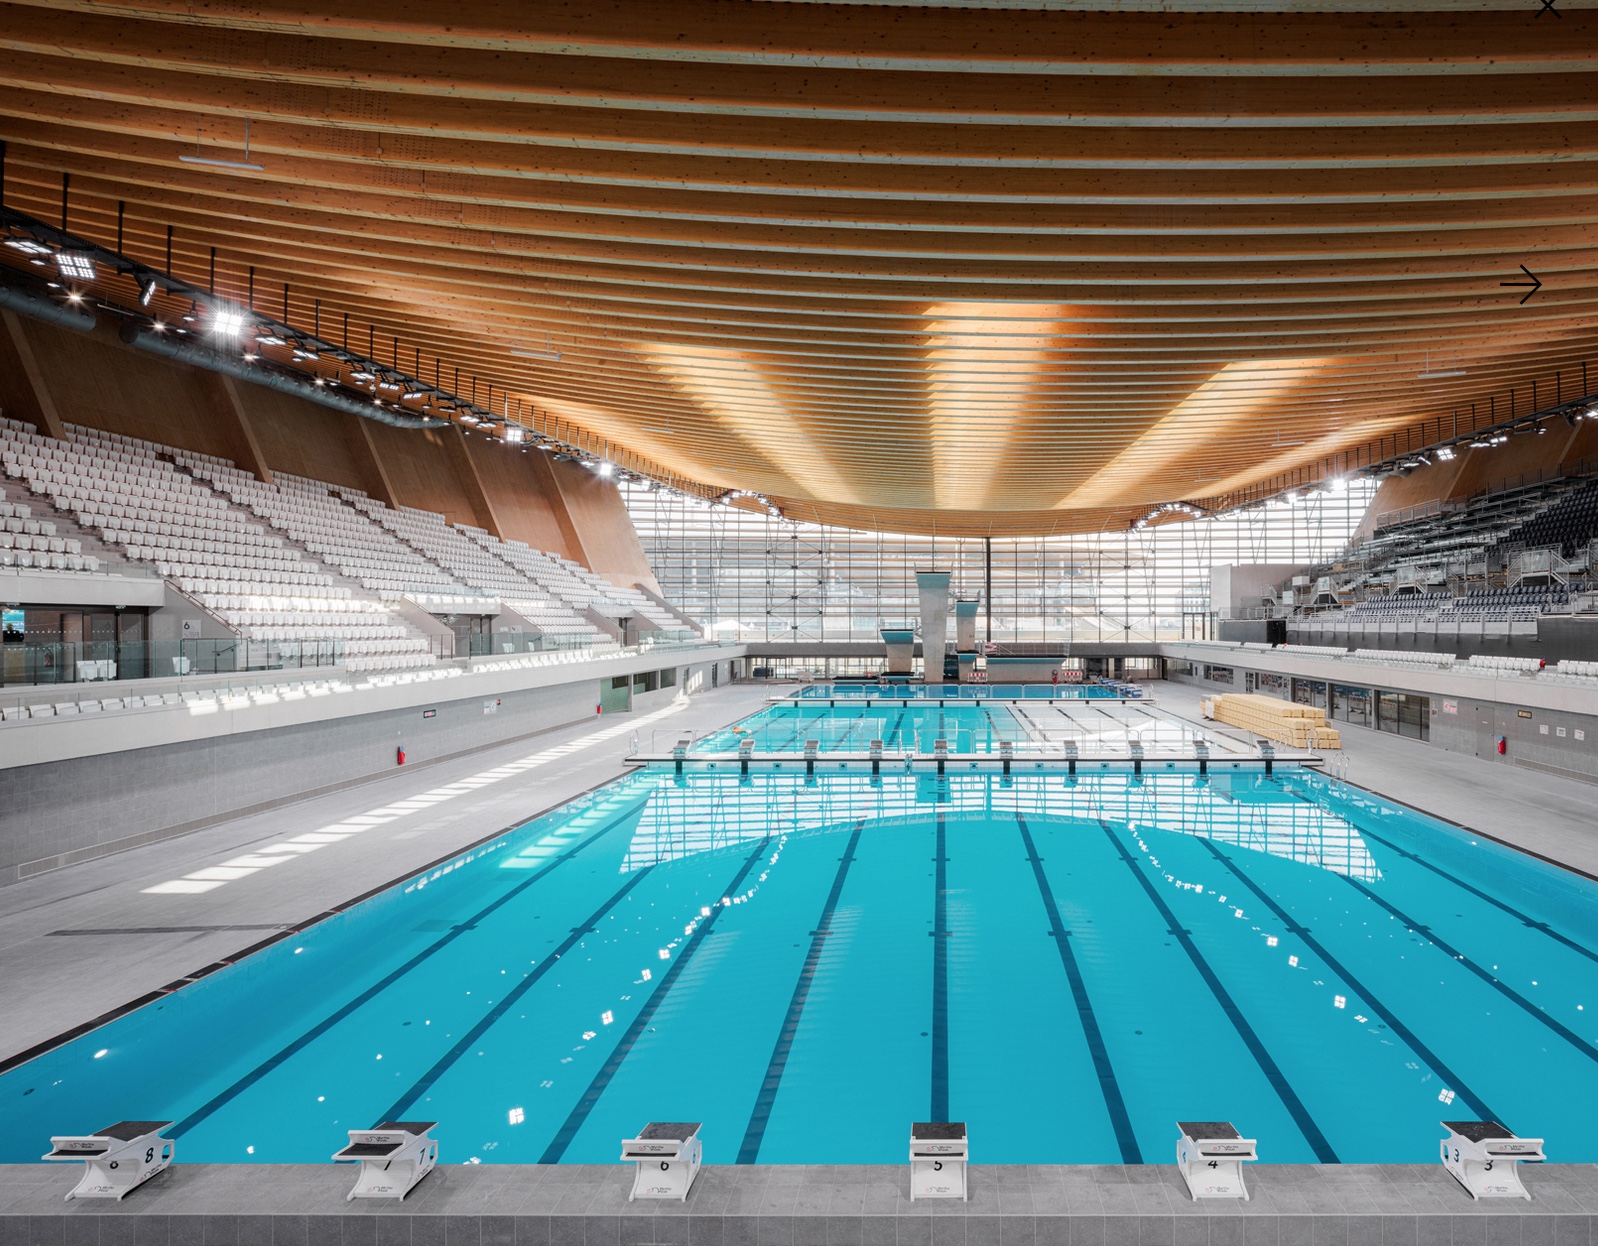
[753,576]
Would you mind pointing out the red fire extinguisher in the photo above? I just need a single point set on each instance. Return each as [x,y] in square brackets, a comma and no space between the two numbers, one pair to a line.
[399,755]
[1503,746]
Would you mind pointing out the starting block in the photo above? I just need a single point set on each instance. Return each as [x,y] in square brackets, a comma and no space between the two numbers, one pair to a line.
[875,752]
[117,1160]
[667,1155]
[1484,1157]
[393,1158]
[1072,752]
[746,750]
[940,750]
[1268,752]
[1210,1157]
[939,1152]
[1007,753]
[812,751]
[1201,752]
[679,752]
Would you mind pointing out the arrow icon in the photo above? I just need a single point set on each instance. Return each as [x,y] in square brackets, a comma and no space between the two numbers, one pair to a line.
[1533,283]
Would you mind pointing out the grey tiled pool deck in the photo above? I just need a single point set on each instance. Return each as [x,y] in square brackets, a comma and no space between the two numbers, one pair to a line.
[813,1205]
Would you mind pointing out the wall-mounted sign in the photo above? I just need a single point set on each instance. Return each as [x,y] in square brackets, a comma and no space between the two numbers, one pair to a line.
[429,713]
[1522,713]
[491,706]
[1450,707]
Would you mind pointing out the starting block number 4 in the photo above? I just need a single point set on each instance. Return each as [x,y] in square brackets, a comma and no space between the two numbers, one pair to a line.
[1210,1156]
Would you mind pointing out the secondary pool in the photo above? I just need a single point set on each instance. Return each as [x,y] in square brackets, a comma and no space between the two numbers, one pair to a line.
[809,965]
[968,692]
[1037,727]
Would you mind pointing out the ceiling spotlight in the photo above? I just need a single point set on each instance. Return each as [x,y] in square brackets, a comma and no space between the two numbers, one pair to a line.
[411,395]
[246,163]
[270,339]
[362,376]
[226,323]
[27,246]
[75,265]
[605,469]
[321,380]
[468,418]
[250,358]
[310,356]
[147,289]
[1445,454]
[514,434]
[75,297]
[547,353]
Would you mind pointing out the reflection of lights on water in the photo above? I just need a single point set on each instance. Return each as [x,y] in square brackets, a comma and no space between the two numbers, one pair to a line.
[516,1116]
[1271,940]
[1293,961]
[606,1017]
[1339,1001]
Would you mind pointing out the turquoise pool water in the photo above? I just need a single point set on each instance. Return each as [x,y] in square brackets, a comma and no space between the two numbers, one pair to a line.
[969,692]
[908,727]
[809,966]
[1036,727]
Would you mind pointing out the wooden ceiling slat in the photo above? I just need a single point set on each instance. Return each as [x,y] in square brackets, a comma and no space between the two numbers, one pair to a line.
[913,268]
[1052,99]
[849,36]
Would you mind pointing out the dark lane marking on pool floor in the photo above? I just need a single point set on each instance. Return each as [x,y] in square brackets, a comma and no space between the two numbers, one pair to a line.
[470,1038]
[1109,1085]
[765,1100]
[1455,1082]
[898,724]
[1524,918]
[603,1078]
[1459,958]
[377,988]
[1268,1066]
[940,978]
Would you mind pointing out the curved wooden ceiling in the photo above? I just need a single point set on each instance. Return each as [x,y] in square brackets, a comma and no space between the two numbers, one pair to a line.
[961,268]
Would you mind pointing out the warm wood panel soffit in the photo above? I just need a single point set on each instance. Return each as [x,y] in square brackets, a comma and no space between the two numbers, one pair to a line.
[979,269]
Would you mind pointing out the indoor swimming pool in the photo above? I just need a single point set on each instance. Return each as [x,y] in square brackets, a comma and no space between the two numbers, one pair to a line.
[808,964]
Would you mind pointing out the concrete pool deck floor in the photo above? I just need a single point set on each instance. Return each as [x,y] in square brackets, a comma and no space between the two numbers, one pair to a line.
[1546,814]
[78,942]
[812,1205]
